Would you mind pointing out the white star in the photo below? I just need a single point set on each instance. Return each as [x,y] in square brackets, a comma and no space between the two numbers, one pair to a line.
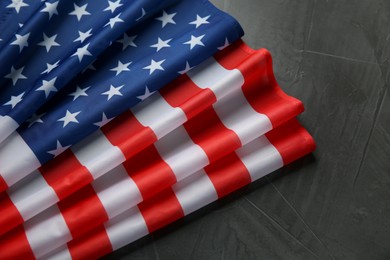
[14,100]
[112,6]
[154,65]
[17,4]
[15,75]
[146,95]
[48,86]
[50,67]
[79,92]
[81,52]
[195,41]
[21,41]
[83,36]
[50,8]
[60,149]
[128,41]
[166,18]
[69,118]
[35,119]
[104,121]
[49,42]
[200,20]
[186,69]
[114,91]
[161,44]
[79,11]
[224,45]
[121,67]
[114,20]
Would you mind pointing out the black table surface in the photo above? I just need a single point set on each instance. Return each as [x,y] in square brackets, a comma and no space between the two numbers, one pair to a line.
[334,204]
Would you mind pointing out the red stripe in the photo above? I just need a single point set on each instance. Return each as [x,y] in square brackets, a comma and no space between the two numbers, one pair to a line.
[233,55]
[14,245]
[208,131]
[228,174]
[127,133]
[189,97]
[82,211]
[92,245]
[267,97]
[260,89]
[150,172]
[161,210]
[10,216]
[3,184]
[291,146]
[65,174]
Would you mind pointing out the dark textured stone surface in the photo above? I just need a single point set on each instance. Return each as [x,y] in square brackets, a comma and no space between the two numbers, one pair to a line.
[334,204]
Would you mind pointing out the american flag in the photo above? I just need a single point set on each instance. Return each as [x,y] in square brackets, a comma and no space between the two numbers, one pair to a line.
[153,110]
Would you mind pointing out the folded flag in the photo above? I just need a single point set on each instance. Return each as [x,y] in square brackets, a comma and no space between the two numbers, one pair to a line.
[243,102]
[133,123]
[183,35]
[279,147]
[187,149]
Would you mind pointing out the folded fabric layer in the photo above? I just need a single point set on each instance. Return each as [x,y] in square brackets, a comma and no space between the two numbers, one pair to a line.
[187,149]
[55,41]
[231,122]
[260,157]
[150,54]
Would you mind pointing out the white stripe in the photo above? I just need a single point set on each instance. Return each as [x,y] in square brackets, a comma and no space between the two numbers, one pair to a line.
[238,115]
[7,126]
[231,106]
[17,160]
[46,231]
[181,153]
[260,157]
[61,253]
[117,191]
[195,192]
[97,154]
[156,113]
[32,195]
[210,74]
[126,228]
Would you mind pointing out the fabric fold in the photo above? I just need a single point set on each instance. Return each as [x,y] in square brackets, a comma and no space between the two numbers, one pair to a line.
[175,157]
[247,164]
[229,123]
